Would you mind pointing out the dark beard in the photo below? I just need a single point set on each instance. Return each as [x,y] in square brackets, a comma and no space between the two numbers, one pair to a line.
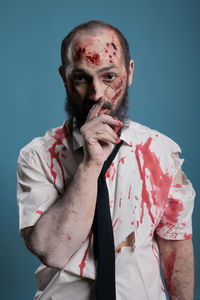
[73,111]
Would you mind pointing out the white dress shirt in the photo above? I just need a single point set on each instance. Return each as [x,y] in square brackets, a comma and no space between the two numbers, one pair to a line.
[143,203]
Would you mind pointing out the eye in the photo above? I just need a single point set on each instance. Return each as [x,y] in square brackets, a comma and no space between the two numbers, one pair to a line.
[109,77]
[78,79]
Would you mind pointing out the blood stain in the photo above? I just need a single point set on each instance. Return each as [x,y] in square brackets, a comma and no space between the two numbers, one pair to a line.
[168,271]
[115,222]
[129,193]
[59,136]
[116,96]
[177,185]
[118,84]
[114,171]
[120,202]
[187,236]
[157,178]
[93,58]
[172,211]
[122,160]
[162,288]
[79,52]
[40,212]
[156,255]
[82,264]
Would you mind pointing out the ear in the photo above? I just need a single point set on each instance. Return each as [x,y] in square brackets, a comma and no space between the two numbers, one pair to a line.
[130,74]
[62,74]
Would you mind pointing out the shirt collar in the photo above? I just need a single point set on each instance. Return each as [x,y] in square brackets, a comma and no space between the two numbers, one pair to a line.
[78,142]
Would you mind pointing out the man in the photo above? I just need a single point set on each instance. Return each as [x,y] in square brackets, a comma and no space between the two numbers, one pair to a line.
[150,198]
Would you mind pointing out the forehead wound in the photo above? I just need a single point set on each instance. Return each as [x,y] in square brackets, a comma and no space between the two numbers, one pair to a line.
[95,47]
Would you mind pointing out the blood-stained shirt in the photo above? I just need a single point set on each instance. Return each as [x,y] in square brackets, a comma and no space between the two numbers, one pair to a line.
[143,203]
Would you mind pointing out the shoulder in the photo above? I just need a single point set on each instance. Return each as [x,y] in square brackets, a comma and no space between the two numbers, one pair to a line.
[141,134]
[39,146]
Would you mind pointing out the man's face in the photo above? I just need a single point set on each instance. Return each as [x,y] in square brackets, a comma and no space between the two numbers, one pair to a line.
[95,70]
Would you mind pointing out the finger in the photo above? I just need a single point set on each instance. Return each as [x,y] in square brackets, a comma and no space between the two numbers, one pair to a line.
[106,119]
[107,138]
[95,109]
[105,128]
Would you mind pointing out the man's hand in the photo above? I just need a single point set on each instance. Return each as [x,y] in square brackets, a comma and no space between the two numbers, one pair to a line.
[63,228]
[99,134]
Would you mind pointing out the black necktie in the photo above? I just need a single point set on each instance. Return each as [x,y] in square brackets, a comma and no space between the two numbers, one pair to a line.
[103,237]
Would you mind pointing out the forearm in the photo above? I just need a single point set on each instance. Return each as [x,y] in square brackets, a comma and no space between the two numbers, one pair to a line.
[178,268]
[61,231]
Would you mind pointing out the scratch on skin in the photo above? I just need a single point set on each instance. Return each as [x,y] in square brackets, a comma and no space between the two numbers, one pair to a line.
[168,271]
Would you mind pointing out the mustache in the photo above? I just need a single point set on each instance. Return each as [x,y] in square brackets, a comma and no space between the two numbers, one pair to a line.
[90,102]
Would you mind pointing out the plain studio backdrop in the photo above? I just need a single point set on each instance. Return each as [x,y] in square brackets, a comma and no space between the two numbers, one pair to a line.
[164,42]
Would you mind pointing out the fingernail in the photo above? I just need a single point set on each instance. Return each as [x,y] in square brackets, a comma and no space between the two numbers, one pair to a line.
[121,123]
[118,141]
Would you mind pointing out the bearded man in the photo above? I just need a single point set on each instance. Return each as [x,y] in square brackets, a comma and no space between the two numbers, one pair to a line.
[103,199]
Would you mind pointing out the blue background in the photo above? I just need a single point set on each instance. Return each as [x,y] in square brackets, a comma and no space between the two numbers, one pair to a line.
[164,41]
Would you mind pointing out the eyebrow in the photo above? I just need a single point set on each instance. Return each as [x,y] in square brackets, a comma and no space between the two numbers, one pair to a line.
[98,71]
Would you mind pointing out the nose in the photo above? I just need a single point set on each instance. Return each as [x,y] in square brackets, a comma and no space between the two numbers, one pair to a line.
[96,90]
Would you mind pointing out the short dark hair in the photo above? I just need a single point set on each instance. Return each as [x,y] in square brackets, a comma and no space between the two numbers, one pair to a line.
[91,25]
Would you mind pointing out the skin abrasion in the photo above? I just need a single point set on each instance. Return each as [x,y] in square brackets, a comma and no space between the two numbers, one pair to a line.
[168,271]
[90,56]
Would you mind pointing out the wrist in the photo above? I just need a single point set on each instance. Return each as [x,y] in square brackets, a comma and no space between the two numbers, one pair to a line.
[90,168]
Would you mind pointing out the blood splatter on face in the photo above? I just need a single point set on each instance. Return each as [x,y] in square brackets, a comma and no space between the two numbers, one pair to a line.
[96,69]
[117,88]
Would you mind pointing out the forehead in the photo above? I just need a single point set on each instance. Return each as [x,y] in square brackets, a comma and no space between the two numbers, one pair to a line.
[96,47]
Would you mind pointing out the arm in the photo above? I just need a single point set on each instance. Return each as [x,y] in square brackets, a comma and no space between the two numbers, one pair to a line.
[177,261]
[63,228]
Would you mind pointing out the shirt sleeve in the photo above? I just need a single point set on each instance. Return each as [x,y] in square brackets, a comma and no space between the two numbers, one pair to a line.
[176,222]
[35,192]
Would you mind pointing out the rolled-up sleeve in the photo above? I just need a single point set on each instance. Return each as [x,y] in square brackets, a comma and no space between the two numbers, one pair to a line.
[35,192]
